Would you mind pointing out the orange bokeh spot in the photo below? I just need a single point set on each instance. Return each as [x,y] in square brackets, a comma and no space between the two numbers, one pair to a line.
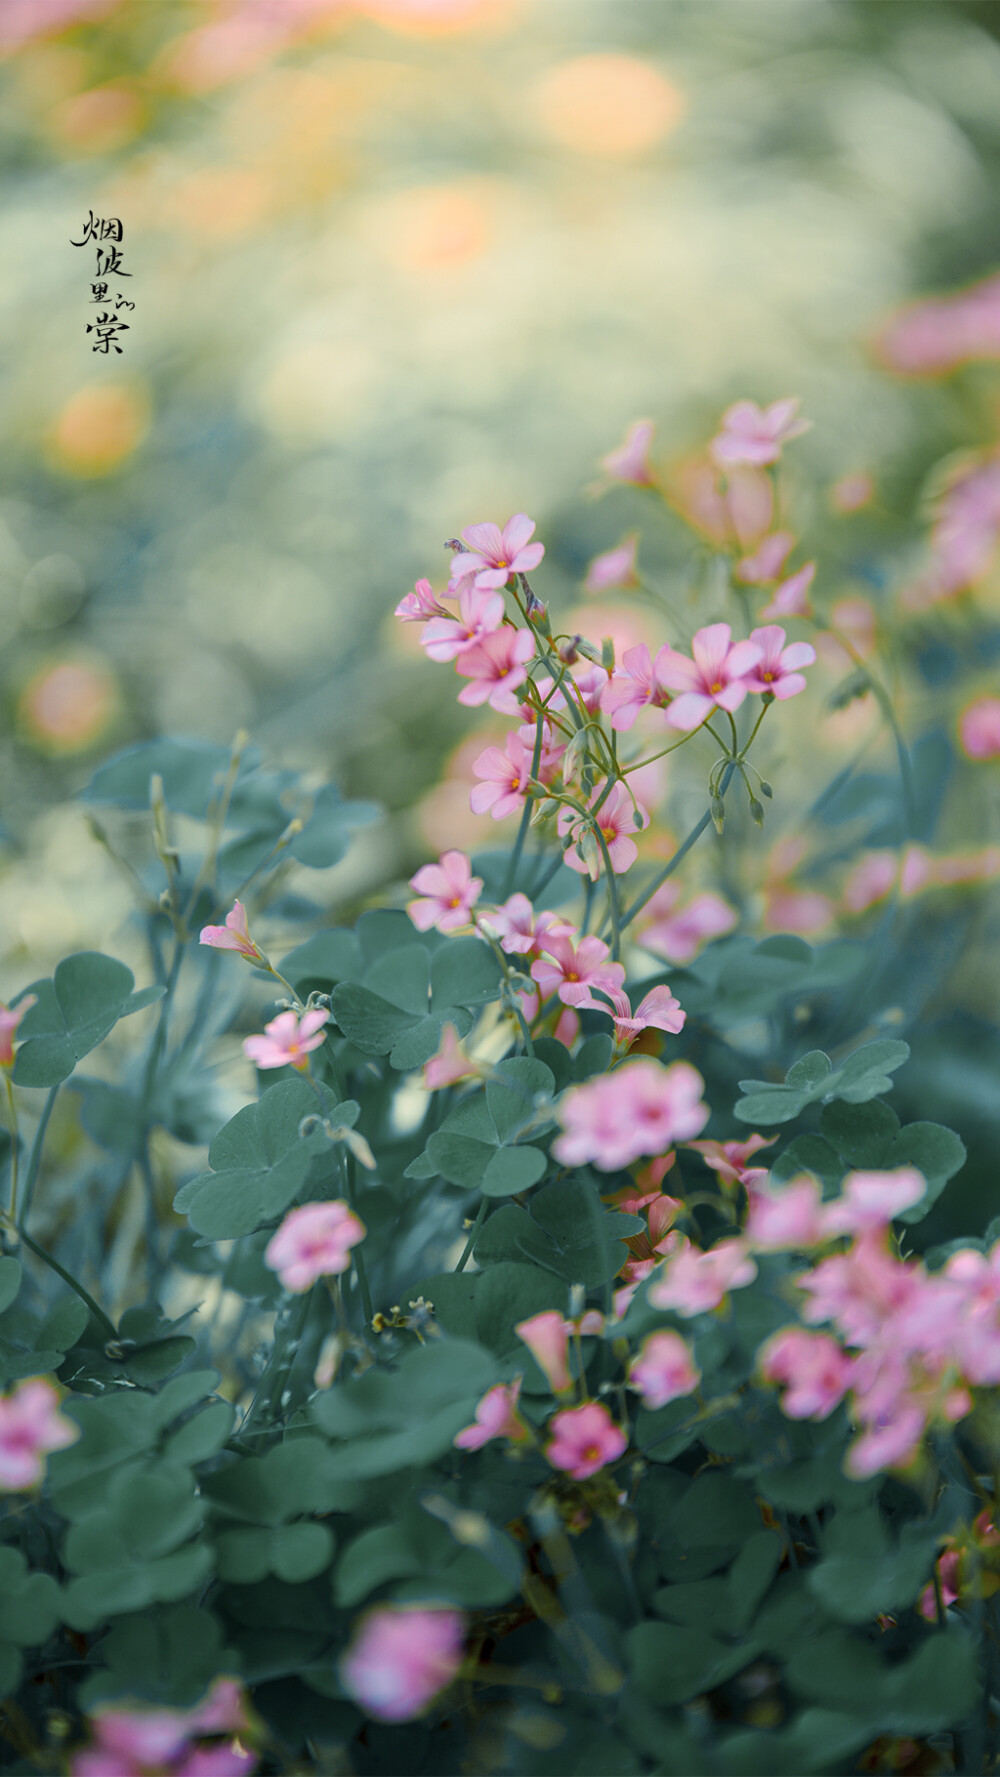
[220,201]
[97,121]
[608,104]
[438,227]
[99,427]
[67,706]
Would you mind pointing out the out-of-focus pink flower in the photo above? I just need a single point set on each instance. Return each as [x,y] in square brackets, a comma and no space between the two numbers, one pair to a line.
[573,970]
[567,1027]
[314,1241]
[767,560]
[979,729]
[872,1199]
[30,1426]
[729,1159]
[636,684]
[229,1760]
[505,772]
[585,1439]
[965,533]
[892,1442]
[716,678]
[811,1367]
[640,1108]
[659,1010]
[222,1711]
[496,666]
[852,492]
[618,818]
[547,1337]
[630,461]
[779,668]
[401,1656]
[448,892]
[419,605]
[288,1040]
[941,332]
[679,933]
[693,1282]
[948,1566]
[480,615]
[494,555]
[859,1289]
[734,510]
[804,911]
[787,1218]
[521,930]
[869,880]
[139,1738]
[615,568]
[451,1063]
[752,434]
[10,1018]
[663,1370]
[496,1417]
[791,598]
[234,935]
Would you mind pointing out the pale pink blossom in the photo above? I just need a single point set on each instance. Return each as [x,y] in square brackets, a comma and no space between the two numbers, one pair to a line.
[752,434]
[504,773]
[891,1442]
[573,970]
[522,931]
[663,1370]
[729,1159]
[584,686]
[30,1426]
[567,1027]
[618,818]
[693,1282]
[419,605]
[678,933]
[767,561]
[659,1010]
[805,911]
[870,880]
[451,1063]
[10,1018]
[314,1241]
[229,1760]
[584,1439]
[630,461]
[811,1367]
[871,1200]
[787,1218]
[734,510]
[615,568]
[547,1337]
[400,1657]
[716,678]
[791,598]
[234,935]
[940,332]
[496,1417]
[964,536]
[859,1289]
[640,1108]
[496,666]
[480,615]
[130,1741]
[979,729]
[635,685]
[778,670]
[448,892]
[852,491]
[288,1040]
[222,1711]
[493,555]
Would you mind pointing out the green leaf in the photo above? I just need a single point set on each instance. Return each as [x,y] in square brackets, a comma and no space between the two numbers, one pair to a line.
[201,1436]
[511,1170]
[170,1655]
[259,1161]
[31,1601]
[191,770]
[328,831]
[508,1293]
[811,1073]
[670,1664]
[567,1232]
[809,1153]
[863,1572]
[863,1134]
[385,1552]
[387,1421]
[863,1075]
[512,1104]
[329,957]
[10,1282]
[935,1151]
[296,1477]
[74,1012]
[464,972]
[294,1552]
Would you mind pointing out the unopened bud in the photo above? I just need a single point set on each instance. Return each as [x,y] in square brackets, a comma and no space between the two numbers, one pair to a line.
[718,810]
[608,654]
[765,789]
[548,806]
[637,819]
[757,811]
[568,653]
[577,1300]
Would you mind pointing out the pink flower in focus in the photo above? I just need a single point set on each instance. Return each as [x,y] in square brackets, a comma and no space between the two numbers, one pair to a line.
[618,818]
[522,931]
[791,598]
[663,1370]
[716,678]
[547,1337]
[678,934]
[287,1040]
[615,568]
[811,1367]
[979,729]
[571,971]
[630,461]
[401,1657]
[419,605]
[658,1011]
[30,1426]
[496,1417]
[234,935]
[480,615]
[787,1218]
[505,772]
[767,561]
[634,686]
[693,1282]
[314,1241]
[497,665]
[778,669]
[10,1018]
[584,1439]
[752,434]
[640,1108]
[448,891]
[494,555]
[871,1200]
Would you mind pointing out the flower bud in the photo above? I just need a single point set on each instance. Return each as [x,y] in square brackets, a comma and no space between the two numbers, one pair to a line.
[608,654]
[765,789]
[568,652]
[757,811]
[718,809]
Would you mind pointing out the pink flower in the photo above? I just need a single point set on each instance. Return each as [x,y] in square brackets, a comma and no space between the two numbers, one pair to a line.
[778,669]
[791,598]
[767,561]
[678,934]
[400,1658]
[448,892]
[729,1159]
[505,772]
[547,1337]
[630,461]
[522,931]
[658,1011]
[136,1738]
[496,665]
[480,614]
[313,1241]
[892,1442]
[859,1290]
[814,1371]
[715,678]
[10,1018]
[637,684]
[30,1426]
[573,970]
[234,935]
[618,817]
[940,332]
[419,605]
[871,1200]
[640,1108]
[787,1218]
[852,491]
[663,1370]
[496,1417]
[584,1439]
[231,1760]
[948,1566]
[287,1040]
[692,1282]
[222,1711]
[616,567]
[752,434]
[979,729]
[450,1064]
[494,555]
[870,880]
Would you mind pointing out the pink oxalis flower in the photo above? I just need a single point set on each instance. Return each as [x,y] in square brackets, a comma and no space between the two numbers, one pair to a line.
[752,434]
[288,1040]
[618,818]
[451,1063]
[522,931]
[694,1282]
[234,935]
[787,1218]
[812,1369]
[716,678]
[547,1337]
[314,1241]
[493,555]
[496,1417]
[791,598]
[480,615]
[419,605]
[659,1010]
[10,1018]
[778,670]
[663,1369]
[30,1426]
[496,666]
[630,461]
[572,970]
[448,892]
[979,729]
[678,932]
[767,561]
[401,1656]
[636,684]
[615,568]
[584,1439]
[130,1742]
[640,1108]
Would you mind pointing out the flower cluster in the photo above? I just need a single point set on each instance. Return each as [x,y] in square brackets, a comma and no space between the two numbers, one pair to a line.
[171,1742]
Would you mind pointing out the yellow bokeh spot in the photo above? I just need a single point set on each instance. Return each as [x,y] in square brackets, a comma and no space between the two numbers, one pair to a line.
[608,104]
[220,201]
[434,18]
[68,705]
[99,427]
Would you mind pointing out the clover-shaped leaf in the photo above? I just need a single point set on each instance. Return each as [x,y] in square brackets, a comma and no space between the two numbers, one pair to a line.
[73,1013]
[813,1079]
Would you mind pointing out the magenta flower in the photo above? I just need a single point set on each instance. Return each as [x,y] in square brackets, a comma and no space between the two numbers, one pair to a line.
[496,665]
[679,933]
[30,1426]
[778,669]
[585,1439]
[448,892]
[522,931]
[811,1367]
[693,1282]
[791,598]
[641,1108]
[979,729]
[234,935]
[637,684]
[571,971]
[10,1018]
[658,1011]
[752,434]
[314,1241]
[480,615]
[663,1370]
[401,1656]
[505,772]
[715,679]
[787,1218]
[630,461]
[615,568]
[494,555]
[419,605]
[287,1040]
[767,560]
[618,818]
[547,1337]
[496,1417]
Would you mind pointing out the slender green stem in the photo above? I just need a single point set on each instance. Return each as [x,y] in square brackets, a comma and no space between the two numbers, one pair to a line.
[473,1235]
[612,888]
[160,1033]
[695,834]
[216,825]
[286,1344]
[67,1277]
[15,1146]
[522,831]
[356,1252]
[748,743]
[35,1157]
